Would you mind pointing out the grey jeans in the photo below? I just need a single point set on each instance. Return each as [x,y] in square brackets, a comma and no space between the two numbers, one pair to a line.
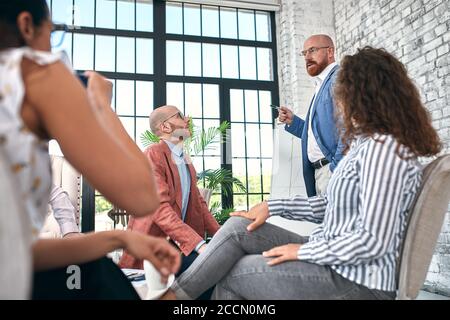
[233,262]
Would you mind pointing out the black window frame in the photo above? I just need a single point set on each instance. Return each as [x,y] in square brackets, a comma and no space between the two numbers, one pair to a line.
[160,79]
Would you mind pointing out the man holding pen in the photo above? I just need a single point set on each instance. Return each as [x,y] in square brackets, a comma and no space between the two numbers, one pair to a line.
[321,146]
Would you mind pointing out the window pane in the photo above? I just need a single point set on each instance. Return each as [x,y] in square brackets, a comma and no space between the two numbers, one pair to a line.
[267,175]
[214,148]
[252,136]
[251,106]
[125,98]
[106,14]
[174,62]
[125,54]
[197,162]
[228,23]
[192,56]
[144,98]
[253,200]
[237,140]
[264,64]
[263,26]
[246,20]
[265,111]
[62,11]
[128,123]
[142,125]
[105,53]
[211,65]
[193,100]
[67,47]
[84,13]
[237,105]
[267,140]
[191,19]
[125,15]
[247,64]
[229,61]
[83,52]
[239,171]
[212,163]
[211,101]
[144,56]
[174,18]
[144,15]
[240,203]
[210,21]
[175,95]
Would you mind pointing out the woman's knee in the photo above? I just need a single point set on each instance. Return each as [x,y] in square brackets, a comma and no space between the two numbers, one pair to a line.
[236,224]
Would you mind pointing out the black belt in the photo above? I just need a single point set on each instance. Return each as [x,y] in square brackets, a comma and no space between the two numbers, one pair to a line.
[320,164]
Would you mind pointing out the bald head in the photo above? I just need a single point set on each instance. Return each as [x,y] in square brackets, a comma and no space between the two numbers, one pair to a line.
[158,116]
[319,53]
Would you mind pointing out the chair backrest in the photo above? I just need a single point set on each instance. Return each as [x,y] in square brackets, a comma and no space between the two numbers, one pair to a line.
[119,215]
[423,229]
[15,238]
[65,176]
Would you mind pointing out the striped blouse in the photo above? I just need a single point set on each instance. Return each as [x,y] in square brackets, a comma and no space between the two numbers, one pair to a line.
[363,216]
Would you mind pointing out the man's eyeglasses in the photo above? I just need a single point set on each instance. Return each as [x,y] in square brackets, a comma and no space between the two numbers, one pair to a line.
[312,50]
[179,114]
[58,32]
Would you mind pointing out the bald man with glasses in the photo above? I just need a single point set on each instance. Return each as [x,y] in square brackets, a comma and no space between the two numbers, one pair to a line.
[321,146]
[183,216]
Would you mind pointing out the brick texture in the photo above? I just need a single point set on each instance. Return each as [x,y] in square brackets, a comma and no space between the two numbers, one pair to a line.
[416,31]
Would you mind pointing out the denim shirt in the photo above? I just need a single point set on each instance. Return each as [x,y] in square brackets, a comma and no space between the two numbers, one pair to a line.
[185,176]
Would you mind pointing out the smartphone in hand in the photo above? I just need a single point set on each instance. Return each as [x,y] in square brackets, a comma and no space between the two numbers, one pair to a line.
[83,78]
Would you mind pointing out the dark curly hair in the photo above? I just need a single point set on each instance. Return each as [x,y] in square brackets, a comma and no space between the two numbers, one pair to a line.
[375,95]
[10,10]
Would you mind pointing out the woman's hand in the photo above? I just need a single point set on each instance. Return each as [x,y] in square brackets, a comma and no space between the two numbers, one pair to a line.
[99,90]
[158,251]
[259,214]
[282,254]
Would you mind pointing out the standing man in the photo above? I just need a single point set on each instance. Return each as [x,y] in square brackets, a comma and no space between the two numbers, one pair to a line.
[321,146]
[183,215]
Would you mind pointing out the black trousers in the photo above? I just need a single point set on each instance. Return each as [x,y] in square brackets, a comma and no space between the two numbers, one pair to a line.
[99,280]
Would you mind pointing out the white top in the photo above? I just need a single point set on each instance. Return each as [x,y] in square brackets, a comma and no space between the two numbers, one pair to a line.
[314,152]
[63,210]
[27,154]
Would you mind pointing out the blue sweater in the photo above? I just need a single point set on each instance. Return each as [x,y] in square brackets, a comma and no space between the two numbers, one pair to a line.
[324,130]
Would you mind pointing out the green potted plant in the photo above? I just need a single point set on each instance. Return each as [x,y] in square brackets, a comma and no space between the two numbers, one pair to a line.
[214,181]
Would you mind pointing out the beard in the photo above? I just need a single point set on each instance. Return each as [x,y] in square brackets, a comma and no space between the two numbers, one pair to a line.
[315,68]
[179,133]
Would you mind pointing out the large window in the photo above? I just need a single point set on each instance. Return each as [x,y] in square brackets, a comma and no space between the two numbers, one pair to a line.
[214,63]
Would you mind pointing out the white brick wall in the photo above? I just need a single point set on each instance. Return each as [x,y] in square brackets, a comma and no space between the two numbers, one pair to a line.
[416,31]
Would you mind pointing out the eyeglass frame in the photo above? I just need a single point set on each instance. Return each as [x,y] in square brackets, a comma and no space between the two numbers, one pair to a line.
[61,27]
[312,50]
[179,113]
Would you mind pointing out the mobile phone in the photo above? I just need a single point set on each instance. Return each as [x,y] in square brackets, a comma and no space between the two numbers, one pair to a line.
[83,78]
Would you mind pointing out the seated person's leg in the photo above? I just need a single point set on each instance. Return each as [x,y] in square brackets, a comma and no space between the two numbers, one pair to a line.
[185,264]
[100,279]
[227,247]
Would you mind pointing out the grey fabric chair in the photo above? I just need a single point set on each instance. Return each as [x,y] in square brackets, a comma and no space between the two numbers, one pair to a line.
[423,229]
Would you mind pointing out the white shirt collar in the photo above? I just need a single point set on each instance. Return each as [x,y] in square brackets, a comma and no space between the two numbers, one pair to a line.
[318,80]
[176,149]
